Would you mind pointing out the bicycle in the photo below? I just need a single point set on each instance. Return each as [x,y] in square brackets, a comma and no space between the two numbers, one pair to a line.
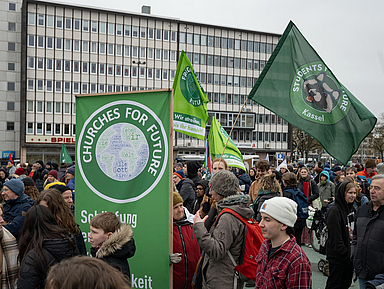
[318,233]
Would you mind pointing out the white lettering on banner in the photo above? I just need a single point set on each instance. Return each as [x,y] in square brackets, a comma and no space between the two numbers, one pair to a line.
[188,127]
[125,218]
[305,70]
[313,116]
[145,282]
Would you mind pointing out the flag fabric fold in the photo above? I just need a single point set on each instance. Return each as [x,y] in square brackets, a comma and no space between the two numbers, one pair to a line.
[190,114]
[298,86]
[217,139]
[64,155]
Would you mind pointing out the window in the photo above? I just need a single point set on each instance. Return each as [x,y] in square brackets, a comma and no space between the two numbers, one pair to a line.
[30,128]
[110,49]
[173,55]
[10,105]
[10,125]
[48,128]
[165,55]
[11,46]
[211,41]
[66,129]
[12,7]
[30,105]
[58,65]
[67,107]
[49,86]
[59,22]
[39,106]
[84,88]
[103,27]
[118,70]
[58,86]
[111,28]
[85,46]
[102,48]
[150,53]
[150,73]
[127,30]
[68,23]
[11,66]
[118,50]
[158,54]
[76,45]
[158,34]
[57,107]
[150,33]
[59,44]
[57,128]
[166,35]
[101,88]
[94,26]
[243,45]
[67,87]
[119,29]
[110,69]
[50,21]
[134,51]
[67,65]
[40,41]
[31,18]
[11,26]
[48,107]
[49,42]
[76,87]
[85,67]
[49,64]
[126,71]
[102,69]
[76,24]
[157,73]
[85,25]
[31,62]
[40,85]
[93,88]
[143,31]
[31,40]
[11,86]
[67,45]
[173,36]
[127,49]
[93,68]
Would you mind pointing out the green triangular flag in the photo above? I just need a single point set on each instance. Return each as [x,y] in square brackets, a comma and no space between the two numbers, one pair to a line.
[190,114]
[298,86]
[64,155]
[217,139]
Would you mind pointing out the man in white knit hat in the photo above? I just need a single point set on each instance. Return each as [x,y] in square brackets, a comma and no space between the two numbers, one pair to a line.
[281,263]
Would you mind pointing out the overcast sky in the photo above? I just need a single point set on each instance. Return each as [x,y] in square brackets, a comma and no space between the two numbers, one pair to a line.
[348,35]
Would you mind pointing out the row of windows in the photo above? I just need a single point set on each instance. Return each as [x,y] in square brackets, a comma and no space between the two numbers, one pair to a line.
[101,27]
[49,128]
[245,120]
[247,135]
[228,80]
[51,107]
[227,43]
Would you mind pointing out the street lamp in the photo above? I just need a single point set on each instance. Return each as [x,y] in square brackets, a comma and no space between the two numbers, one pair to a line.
[138,70]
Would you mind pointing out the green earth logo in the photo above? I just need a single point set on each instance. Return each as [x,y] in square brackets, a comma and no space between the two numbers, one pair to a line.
[317,96]
[189,88]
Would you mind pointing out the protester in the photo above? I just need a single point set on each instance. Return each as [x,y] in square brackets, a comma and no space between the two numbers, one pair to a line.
[268,188]
[32,172]
[369,171]
[185,187]
[262,168]
[191,169]
[39,175]
[54,201]
[219,165]
[281,262]
[30,188]
[226,236]
[48,166]
[179,166]
[65,192]
[112,242]
[307,185]
[186,251]
[8,256]
[244,181]
[368,242]
[339,179]
[51,177]
[326,191]
[19,173]
[61,172]
[16,205]
[11,168]
[70,177]
[42,244]
[340,223]
[252,174]
[3,177]
[201,189]
[82,272]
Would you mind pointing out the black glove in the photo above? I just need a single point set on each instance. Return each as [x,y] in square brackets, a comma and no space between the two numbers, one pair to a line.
[206,207]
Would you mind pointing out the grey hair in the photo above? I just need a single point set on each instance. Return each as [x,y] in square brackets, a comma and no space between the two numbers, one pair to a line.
[378,177]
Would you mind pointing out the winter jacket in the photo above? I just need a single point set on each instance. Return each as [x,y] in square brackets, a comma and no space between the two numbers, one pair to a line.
[38,177]
[288,267]
[262,196]
[13,213]
[365,176]
[313,190]
[288,192]
[225,235]
[368,242]
[187,192]
[327,190]
[184,242]
[34,273]
[192,169]
[61,174]
[340,223]
[245,180]
[376,283]
[117,249]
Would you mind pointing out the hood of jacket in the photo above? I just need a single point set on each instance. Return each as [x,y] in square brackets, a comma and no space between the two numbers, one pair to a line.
[192,169]
[116,244]
[23,198]
[325,173]
[246,179]
[340,197]
[60,248]
[238,203]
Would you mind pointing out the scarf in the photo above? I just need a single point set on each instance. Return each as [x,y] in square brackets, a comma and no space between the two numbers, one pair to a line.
[10,264]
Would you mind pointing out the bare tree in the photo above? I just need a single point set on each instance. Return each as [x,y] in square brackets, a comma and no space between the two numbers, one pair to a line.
[377,136]
[304,143]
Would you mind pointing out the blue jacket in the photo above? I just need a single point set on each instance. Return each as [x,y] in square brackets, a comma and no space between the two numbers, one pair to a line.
[12,213]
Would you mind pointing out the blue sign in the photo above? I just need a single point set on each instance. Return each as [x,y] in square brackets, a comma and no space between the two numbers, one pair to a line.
[5,154]
[280,156]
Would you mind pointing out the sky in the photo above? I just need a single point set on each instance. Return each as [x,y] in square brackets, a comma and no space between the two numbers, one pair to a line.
[348,35]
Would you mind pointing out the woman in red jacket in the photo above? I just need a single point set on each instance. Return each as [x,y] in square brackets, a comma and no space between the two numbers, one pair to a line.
[186,251]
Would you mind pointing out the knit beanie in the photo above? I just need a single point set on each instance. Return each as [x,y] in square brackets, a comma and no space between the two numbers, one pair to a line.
[225,183]
[283,166]
[41,163]
[71,170]
[177,199]
[16,186]
[49,163]
[370,163]
[180,174]
[336,169]
[20,172]
[53,173]
[28,182]
[281,209]
[61,187]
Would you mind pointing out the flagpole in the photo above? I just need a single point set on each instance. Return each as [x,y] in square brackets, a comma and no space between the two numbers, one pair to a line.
[221,157]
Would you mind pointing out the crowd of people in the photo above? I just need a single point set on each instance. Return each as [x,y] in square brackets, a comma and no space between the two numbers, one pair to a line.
[42,246]
[208,247]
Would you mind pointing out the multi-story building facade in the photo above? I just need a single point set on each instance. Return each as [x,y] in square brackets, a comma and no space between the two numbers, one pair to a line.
[68,50]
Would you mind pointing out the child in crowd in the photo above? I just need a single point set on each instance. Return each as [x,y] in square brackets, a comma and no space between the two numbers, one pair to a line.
[112,242]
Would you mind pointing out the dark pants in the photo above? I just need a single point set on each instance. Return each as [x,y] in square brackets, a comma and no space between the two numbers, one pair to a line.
[299,226]
[340,275]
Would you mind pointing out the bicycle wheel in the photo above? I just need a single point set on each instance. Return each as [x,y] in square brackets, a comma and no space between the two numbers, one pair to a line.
[315,242]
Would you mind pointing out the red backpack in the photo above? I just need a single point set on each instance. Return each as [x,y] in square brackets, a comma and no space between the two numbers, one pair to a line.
[253,238]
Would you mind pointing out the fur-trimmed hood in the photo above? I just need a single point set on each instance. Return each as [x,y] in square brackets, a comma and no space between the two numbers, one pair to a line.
[238,203]
[117,244]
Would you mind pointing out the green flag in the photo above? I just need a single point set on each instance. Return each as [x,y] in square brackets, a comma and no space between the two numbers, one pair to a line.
[217,139]
[298,86]
[64,155]
[190,113]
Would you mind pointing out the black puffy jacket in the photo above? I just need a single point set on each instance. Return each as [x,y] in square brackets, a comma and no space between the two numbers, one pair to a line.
[33,273]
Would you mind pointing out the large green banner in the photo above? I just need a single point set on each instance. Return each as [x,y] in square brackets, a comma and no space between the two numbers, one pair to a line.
[217,139]
[190,114]
[122,166]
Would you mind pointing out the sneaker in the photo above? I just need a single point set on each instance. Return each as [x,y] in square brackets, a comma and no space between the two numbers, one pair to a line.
[309,246]
[250,283]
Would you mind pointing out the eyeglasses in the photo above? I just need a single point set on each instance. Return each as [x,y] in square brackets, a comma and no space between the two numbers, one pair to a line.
[5,190]
[200,189]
